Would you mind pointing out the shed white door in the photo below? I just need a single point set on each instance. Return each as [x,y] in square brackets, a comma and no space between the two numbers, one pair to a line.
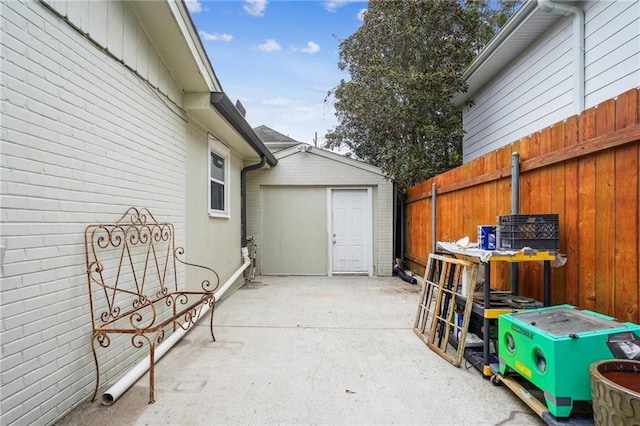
[350,231]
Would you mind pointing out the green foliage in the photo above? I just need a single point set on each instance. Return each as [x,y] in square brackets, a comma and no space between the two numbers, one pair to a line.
[405,64]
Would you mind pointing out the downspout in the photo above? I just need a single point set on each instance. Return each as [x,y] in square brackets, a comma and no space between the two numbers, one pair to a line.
[578,49]
[515,209]
[243,205]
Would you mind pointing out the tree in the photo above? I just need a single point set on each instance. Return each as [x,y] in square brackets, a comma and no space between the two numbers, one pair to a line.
[406,63]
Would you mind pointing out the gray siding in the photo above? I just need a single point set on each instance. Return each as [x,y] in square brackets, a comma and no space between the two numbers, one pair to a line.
[211,241]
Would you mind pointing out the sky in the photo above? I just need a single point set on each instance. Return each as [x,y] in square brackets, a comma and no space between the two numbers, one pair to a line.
[279,58]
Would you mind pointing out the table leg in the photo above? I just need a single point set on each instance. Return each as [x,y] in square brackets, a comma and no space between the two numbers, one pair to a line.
[486,370]
[547,283]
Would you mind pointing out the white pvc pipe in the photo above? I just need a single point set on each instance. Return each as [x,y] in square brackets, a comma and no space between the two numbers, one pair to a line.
[550,6]
[121,386]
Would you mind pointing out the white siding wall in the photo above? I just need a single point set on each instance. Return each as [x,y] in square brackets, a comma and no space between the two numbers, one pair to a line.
[536,89]
[83,137]
[302,169]
[612,49]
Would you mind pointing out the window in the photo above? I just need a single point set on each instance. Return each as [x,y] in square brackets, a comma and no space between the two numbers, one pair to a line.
[218,179]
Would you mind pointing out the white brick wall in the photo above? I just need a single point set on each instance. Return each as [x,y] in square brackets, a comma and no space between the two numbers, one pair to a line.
[82,138]
[328,170]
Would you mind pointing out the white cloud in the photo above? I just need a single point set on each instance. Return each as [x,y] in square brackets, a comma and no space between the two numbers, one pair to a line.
[193,6]
[361,14]
[311,48]
[215,36]
[333,5]
[270,45]
[295,118]
[279,102]
[255,7]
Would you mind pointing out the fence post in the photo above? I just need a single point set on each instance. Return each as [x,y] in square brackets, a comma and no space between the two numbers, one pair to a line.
[433,218]
[515,209]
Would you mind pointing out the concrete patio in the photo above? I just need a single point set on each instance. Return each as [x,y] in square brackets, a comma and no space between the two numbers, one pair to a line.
[311,350]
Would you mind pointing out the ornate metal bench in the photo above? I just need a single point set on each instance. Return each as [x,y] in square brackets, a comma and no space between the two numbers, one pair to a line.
[132,273]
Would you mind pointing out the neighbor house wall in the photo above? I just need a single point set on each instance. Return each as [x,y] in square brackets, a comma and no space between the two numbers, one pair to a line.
[84,136]
[326,170]
[536,89]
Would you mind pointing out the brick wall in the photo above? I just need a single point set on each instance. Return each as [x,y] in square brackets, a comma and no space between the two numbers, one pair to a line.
[83,138]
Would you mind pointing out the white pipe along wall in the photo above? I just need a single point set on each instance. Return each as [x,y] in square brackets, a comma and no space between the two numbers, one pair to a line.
[121,386]
[550,6]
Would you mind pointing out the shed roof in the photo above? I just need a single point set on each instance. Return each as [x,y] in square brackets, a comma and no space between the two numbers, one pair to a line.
[274,140]
[329,155]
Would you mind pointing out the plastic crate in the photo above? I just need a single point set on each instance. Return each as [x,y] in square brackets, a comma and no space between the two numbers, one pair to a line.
[538,231]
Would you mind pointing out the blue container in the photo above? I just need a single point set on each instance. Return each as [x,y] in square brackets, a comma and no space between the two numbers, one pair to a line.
[487,237]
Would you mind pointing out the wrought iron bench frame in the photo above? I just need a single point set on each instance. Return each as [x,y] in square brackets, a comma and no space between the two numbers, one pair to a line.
[133,285]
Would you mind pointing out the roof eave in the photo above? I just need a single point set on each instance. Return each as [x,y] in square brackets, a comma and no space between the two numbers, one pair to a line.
[477,74]
[221,102]
[174,36]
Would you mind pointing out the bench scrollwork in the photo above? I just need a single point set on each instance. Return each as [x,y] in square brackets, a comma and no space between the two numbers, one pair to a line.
[133,277]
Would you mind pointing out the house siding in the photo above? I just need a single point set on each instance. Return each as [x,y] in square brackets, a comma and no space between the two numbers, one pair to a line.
[313,170]
[533,90]
[84,136]
[612,49]
[221,248]
[536,89]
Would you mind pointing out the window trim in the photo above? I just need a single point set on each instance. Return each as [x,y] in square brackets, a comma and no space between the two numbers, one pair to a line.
[217,148]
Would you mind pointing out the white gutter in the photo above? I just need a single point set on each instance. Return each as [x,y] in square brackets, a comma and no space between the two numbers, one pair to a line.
[121,386]
[578,49]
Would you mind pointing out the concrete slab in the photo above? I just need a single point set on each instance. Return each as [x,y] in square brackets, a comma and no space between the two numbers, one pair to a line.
[311,350]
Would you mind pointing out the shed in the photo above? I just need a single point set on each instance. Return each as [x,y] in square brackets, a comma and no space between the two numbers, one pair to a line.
[320,213]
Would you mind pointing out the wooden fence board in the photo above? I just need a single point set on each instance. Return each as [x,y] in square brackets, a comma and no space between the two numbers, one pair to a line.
[586,170]
[586,214]
[572,277]
[529,271]
[626,226]
[558,190]
[604,219]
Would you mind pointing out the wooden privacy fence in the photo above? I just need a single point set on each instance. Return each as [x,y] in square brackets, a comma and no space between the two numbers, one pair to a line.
[585,169]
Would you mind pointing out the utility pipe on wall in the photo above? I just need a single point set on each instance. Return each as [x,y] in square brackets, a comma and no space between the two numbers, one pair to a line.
[434,222]
[121,386]
[243,197]
[578,47]
[515,209]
